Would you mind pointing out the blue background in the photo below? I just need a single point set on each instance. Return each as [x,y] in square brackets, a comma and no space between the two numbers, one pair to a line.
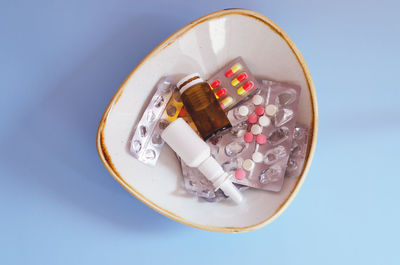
[60,64]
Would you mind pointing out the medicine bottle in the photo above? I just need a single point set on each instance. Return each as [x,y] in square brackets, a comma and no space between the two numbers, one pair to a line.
[202,105]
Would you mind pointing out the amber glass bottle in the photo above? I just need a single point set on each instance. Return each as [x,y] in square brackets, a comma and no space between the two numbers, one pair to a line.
[203,107]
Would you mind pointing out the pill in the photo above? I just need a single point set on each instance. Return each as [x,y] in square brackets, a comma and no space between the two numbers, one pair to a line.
[256,129]
[226,102]
[259,110]
[248,164]
[270,110]
[220,93]
[243,111]
[257,99]
[252,118]
[233,70]
[261,139]
[244,89]
[239,79]
[248,85]
[240,91]
[257,157]
[215,84]
[248,137]
[240,174]
[264,121]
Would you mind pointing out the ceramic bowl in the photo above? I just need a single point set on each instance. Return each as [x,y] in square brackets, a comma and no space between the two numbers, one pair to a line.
[204,46]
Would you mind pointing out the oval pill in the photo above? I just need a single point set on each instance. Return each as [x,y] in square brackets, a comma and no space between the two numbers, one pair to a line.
[220,93]
[226,102]
[240,91]
[233,70]
[248,85]
[215,83]
[239,79]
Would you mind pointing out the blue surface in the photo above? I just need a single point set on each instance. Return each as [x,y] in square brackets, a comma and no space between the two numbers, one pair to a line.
[61,62]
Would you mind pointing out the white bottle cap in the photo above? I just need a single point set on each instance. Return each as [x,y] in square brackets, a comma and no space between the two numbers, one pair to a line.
[196,153]
[231,191]
[189,84]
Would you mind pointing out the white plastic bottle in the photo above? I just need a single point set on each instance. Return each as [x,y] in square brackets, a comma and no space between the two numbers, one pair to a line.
[196,153]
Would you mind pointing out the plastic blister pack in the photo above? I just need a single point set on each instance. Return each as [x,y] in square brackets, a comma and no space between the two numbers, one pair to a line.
[298,151]
[255,150]
[164,107]
[232,83]
[195,183]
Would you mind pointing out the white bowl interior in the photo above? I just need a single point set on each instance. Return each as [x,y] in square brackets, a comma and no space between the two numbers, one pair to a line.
[203,48]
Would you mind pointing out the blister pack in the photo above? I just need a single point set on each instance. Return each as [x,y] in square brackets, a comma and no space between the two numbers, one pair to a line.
[164,107]
[146,142]
[232,83]
[197,184]
[298,151]
[256,149]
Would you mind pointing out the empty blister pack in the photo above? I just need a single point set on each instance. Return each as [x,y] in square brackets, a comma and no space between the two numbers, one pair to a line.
[233,83]
[164,107]
[146,142]
[298,151]
[256,149]
[197,184]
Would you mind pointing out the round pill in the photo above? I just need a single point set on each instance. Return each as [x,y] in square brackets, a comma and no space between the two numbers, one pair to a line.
[248,137]
[243,111]
[264,121]
[252,118]
[259,110]
[240,174]
[270,110]
[257,157]
[257,99]
[248,164]
[261,139]
[256,129]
